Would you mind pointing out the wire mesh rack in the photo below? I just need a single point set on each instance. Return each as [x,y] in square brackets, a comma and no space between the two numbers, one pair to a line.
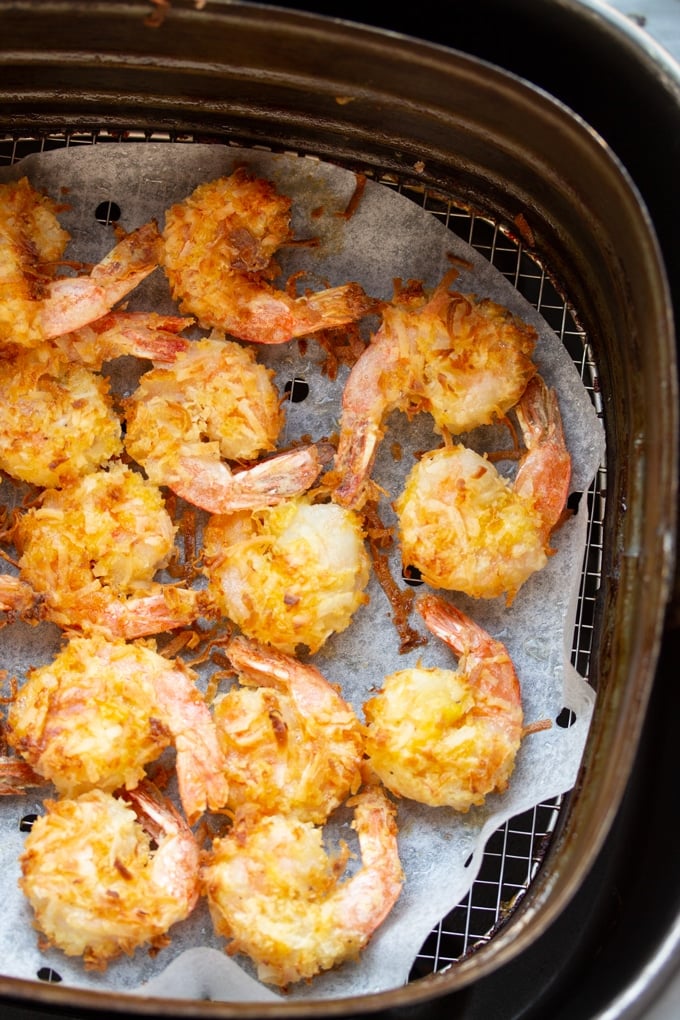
[515,851]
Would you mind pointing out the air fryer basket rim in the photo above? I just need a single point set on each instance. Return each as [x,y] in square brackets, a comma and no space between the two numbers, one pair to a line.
[606,257]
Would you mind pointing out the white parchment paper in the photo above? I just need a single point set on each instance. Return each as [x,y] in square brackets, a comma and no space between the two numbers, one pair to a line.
[388,237]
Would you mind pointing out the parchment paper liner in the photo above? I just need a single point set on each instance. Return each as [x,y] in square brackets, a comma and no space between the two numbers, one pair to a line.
[388,237]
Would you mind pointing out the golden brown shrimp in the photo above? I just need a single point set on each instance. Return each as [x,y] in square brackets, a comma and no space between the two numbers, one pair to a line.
[445,737]
[276,895]
[215,404]
[105,875]
[291,742]
[466,528]
[35,304]
[103,709]
[57,420]
[91,551]
[218,246]
[290,575]
[140,334]
[464,361]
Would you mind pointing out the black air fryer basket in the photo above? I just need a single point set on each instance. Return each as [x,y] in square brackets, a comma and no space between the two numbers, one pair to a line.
[546,135]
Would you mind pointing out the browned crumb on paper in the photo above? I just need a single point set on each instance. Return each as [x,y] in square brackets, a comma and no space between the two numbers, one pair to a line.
[342,346]
[355,200]
[380,538]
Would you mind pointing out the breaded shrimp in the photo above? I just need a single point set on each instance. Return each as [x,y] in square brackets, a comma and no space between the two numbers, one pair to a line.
[218,248]
[288,576]
[57,419]
[105,875]
[291,742]
[463,360]
[277,896]
[466,528]
[445,737]
[91,551]
[215,404]
[103,709]
[35,304]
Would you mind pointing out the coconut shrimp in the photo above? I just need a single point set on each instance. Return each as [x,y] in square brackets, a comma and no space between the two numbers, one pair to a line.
[277,896]
[290,575]
[218,249]
[291,742]
[215,404]
[467,528]
[57,419]
[103,709]
[464,361]
[448,737]
[90,552]
[37,305]
[106,875]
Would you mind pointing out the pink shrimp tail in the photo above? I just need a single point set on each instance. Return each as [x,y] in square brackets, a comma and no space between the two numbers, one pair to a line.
[544,475]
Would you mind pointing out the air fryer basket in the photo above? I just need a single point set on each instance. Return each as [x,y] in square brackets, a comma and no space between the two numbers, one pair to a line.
[536,190]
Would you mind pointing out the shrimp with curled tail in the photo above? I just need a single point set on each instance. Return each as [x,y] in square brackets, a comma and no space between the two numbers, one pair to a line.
[218,249]
[90,552]
[291,743]
[445,737]
[35,304]
[278,897]
[463,360]
[467,528]
[215,403]
[107,875]
[103,709]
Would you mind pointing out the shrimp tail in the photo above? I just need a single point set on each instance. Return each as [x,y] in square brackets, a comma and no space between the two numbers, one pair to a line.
[141,334]
[354,462]
[213,487]
[334,307]
[74,302]
[544,474]
[16,596]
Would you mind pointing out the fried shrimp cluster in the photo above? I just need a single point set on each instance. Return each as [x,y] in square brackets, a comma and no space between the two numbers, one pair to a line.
[463,360]
[276,895]
[218,250]
[103,709]
[291,743]
[289,575]
[445,737]
[192,566]
[106,875]
[467,528]
[92,549]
